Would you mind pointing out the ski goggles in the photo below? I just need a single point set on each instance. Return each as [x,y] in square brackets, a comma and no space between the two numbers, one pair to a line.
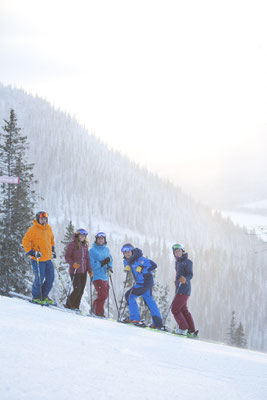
[127,248]
[43,215]
[100,234]
[82,232]
[177,247]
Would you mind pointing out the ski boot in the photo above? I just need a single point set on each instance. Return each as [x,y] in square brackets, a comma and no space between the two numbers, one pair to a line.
[40,302]
[181,332]
[127,320]
[49,301]
[192,334]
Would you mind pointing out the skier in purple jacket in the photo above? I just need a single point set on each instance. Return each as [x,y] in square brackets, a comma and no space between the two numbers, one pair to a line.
[77,257]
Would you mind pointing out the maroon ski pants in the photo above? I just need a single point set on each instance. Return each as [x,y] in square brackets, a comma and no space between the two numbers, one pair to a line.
[181,313]
[102,294]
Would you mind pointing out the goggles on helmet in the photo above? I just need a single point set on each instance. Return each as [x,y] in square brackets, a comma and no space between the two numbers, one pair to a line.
[42,214]
[100,234]
[178,247]
[127,248]
[81,232]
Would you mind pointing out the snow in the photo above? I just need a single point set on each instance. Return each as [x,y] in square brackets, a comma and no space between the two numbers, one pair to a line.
[48,354]
[251,221]
[261,204]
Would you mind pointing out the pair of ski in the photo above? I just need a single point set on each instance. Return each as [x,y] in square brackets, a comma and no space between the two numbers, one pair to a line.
[163,329]
[55,306]
[140,324]
[44,304]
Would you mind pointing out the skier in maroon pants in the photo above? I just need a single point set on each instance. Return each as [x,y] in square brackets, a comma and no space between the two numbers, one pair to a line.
[184,274]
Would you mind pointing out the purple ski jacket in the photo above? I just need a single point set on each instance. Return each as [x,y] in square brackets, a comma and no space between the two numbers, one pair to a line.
[80,256]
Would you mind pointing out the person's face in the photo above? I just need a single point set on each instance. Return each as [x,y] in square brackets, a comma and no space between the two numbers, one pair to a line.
[42,221]
[82,238]
[178,253]
[100,240]
[128,254]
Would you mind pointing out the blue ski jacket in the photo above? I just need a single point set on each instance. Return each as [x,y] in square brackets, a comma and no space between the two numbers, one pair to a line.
[144,278]
[97,254]
[184,267]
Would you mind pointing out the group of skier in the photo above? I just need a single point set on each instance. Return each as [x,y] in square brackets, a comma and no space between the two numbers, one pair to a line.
[97,261]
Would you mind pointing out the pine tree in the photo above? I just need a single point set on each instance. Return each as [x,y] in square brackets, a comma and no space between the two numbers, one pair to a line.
[236,336]
[127,285]
[62,286]
[16,205]
[67,239]
[161,296]
[240,337]
[232,330]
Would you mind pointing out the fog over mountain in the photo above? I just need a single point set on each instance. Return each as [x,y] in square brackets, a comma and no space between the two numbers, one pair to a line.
[81,179]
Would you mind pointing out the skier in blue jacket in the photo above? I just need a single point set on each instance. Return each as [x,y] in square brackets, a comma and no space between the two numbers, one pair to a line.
[141,268]
[101,262]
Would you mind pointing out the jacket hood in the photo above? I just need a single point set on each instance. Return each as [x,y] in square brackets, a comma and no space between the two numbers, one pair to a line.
[74,239]
[39,226]
[137,253]
[184,257]
[97,246]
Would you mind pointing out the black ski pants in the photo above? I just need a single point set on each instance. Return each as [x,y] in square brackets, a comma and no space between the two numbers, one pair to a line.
[79,282]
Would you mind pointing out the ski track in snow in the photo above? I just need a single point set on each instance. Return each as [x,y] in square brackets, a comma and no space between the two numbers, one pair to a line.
[46,354]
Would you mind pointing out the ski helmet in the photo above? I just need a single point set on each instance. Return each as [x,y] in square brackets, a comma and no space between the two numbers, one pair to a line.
[81,232]
[100,234]
[178,246]
[127,247]
[41,214]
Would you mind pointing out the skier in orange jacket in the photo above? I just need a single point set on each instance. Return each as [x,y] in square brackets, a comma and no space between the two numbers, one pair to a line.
[39,243]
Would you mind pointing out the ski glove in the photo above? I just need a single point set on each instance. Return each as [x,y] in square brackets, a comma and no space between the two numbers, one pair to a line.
[34,253]
[91,274]
[54,255]
[182,279]
[110,270]
[127,268]
[139,268]
[76,265]
[105,261]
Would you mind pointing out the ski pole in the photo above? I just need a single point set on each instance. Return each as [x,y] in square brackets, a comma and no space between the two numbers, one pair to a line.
[169,309]
[129,294]
[39,276]
[123,292]
[108,300]
[114,293]
[59,276]
[71,285]
[91,296]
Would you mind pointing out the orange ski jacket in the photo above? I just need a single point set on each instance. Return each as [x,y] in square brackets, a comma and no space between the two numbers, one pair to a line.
[39,238]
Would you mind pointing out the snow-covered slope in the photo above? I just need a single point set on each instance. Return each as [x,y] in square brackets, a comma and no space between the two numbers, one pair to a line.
[82,180]
[47,354]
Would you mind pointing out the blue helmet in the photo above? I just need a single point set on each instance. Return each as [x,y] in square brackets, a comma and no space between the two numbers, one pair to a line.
[81,232]
[127,247]
[100,234]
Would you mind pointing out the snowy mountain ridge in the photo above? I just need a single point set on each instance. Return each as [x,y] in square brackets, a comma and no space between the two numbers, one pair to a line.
[80,179]
[47,354]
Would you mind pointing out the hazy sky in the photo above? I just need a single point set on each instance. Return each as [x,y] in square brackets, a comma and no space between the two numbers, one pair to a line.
[178,86]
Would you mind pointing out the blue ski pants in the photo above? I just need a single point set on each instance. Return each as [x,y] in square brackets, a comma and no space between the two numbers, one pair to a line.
[46,269]
[131,296]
